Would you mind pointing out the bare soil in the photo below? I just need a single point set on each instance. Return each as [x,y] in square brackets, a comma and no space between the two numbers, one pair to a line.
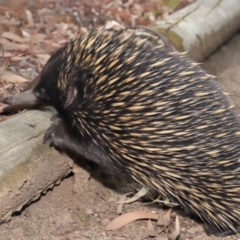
[85,202]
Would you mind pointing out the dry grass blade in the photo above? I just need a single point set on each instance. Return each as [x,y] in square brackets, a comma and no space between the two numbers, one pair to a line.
[128,218]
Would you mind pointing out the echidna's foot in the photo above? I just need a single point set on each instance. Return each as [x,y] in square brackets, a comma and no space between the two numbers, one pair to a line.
[213,230]
[55,134]
[54,117]
[60,137]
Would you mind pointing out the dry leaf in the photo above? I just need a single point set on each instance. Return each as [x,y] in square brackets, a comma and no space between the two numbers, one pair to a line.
[139,194]
[14,37]
[19,57]
[43,58]
[168,217]
[7,54]
[161,238]
[128,218]
[150,229]
[166,202]
[161,220]
[41,37]
[120,206]
[13,78]
[9,85]
[164,220]
[7,45]
[29,18]
[174,235]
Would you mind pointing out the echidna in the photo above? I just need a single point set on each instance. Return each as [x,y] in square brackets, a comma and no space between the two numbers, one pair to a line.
[136,107]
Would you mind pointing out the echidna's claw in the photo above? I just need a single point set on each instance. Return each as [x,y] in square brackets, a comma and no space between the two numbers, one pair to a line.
[47,136]
[53,131]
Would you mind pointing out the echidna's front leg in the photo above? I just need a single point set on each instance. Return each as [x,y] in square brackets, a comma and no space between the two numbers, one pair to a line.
[60,137]
[56,134]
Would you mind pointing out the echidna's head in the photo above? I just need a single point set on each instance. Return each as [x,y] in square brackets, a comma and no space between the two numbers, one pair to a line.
[95,55]
[47,89]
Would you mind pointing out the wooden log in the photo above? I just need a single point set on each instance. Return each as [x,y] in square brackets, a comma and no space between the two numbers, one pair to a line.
[27,167]
[201,27]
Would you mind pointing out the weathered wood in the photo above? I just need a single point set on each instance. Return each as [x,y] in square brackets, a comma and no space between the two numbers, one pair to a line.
[201,27]
[27,167]
[19,134]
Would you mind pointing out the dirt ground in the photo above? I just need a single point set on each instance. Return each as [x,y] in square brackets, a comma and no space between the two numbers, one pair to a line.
[85,202]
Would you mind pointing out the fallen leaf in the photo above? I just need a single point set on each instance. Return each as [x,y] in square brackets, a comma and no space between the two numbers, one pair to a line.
[43,58]
[7,45]
[120,206]
[150,229]
[13,37]
[128,218]
[164,220]
[13,78]
[7,54]
[142,192]
[174,235]
[29,18]
[161,238]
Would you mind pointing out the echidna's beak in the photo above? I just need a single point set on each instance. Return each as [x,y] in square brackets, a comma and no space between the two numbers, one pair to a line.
[20,101]
[22,98]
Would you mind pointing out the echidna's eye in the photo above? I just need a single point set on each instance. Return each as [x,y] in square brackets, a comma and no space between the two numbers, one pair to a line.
[41,95]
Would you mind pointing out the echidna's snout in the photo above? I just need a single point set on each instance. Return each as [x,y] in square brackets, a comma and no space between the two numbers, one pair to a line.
[23,100]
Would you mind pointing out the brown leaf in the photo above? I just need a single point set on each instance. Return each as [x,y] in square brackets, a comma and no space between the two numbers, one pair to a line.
[174,235]
[7,54]
[128,218]
[43,58]
[150,229]
[161,238]
[29,18]
[11,77]
[14,37]
[142,192]
[8,46]
[122,200]
[164,220]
